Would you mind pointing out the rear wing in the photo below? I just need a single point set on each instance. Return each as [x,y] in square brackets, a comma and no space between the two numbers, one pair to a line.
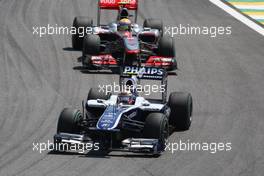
[151,73]
[147,73]
[116,5]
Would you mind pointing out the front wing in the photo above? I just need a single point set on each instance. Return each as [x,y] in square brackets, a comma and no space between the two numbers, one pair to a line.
[135,145]
[106,61]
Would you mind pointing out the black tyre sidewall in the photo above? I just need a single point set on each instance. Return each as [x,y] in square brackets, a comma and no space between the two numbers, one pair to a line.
[166,47]
[91,45]
[95,93]
[180,104]
[80,21]
[154,24]
[68,121]
[154,126]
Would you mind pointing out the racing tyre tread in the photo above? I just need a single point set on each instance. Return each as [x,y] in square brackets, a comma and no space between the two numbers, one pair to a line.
[91,45]
[166,47]
[68,121]
[156,124]
[181,107]
[154,24]
[94,94]
[80,21]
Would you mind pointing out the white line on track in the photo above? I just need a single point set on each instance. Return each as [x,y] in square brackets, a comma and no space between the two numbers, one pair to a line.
[239,16]
[260,17]
[255,7]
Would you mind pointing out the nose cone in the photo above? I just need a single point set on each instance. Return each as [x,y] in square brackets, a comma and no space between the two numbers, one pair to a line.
[132,45]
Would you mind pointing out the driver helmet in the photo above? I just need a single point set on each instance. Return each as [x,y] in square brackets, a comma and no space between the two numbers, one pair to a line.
[131,86]
[124,25]
[126,98]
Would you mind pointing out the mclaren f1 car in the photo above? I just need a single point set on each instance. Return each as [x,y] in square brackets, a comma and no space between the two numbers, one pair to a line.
[123,41]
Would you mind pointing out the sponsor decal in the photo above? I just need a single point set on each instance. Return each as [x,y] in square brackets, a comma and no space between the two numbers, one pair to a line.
[144,72]
[133,114]
[109,117]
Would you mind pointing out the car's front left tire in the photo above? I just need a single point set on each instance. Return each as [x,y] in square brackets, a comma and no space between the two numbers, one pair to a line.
[68,121]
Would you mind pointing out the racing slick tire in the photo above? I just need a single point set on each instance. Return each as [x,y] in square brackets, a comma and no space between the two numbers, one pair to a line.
[156,127]
[91,45]
[154,24]
[94,94]
[166,47]
[80,22]
[181,107]
[68,121]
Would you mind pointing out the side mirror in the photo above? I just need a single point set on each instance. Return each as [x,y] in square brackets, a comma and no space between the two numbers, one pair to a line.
[100,101]
[145,103]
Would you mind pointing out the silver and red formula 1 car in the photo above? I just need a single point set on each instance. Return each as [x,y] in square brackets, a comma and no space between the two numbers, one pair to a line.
[123,42]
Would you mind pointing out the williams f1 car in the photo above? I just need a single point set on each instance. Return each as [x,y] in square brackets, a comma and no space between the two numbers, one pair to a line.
[127,121]
[123,42]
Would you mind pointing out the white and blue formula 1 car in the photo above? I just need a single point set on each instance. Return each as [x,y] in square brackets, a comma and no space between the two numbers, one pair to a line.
[127,121]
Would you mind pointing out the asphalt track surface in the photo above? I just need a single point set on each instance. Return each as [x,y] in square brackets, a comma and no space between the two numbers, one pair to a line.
[37,79]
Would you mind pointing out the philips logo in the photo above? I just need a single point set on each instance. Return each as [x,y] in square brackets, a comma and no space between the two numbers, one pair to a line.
[143,70]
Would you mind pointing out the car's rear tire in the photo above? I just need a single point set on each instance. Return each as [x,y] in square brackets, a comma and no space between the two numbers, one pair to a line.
[68,121]
[94,94]
[166,47]
[80,22]
[181,107]
[154,24]
[156,127]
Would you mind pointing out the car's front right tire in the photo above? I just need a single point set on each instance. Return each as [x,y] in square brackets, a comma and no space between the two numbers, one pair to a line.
[166,47]
[157,127]
[181,106]
[77,38]
[154,24]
